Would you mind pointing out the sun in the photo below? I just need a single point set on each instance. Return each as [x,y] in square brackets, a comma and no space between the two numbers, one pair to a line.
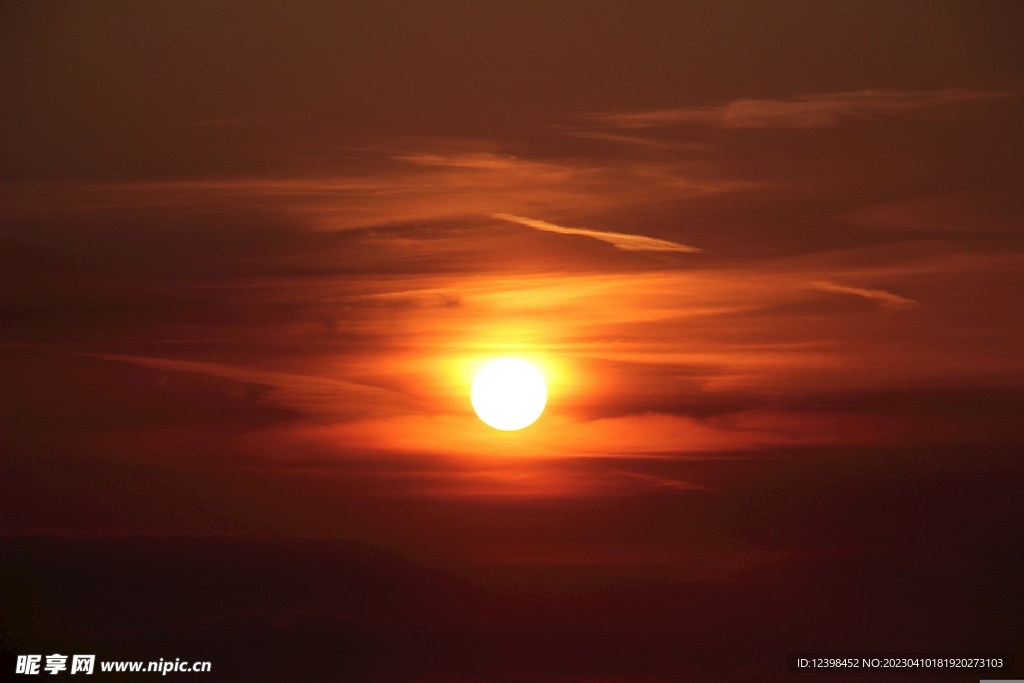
[509,394]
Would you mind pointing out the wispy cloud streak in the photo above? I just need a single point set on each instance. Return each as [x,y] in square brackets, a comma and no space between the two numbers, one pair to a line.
[888,298]
[620,240]
[440,185]
[804,111]
[309,394]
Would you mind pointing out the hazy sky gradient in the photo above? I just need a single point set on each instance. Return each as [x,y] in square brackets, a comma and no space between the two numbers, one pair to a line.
[250,259]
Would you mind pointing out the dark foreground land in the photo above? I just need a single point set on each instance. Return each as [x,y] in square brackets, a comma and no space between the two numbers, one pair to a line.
[321,610]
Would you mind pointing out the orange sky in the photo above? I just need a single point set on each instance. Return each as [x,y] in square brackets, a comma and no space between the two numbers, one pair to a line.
[714,239]
[769,257]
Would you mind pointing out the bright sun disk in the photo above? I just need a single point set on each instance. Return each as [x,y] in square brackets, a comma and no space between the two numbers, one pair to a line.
[509,394]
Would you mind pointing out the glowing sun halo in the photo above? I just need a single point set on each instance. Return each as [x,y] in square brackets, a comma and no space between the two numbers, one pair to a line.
[509,394]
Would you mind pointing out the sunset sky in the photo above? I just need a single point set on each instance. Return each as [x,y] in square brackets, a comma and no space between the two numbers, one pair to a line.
[769,258]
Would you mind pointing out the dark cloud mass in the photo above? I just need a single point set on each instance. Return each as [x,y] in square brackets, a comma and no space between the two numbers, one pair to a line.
[769,258]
